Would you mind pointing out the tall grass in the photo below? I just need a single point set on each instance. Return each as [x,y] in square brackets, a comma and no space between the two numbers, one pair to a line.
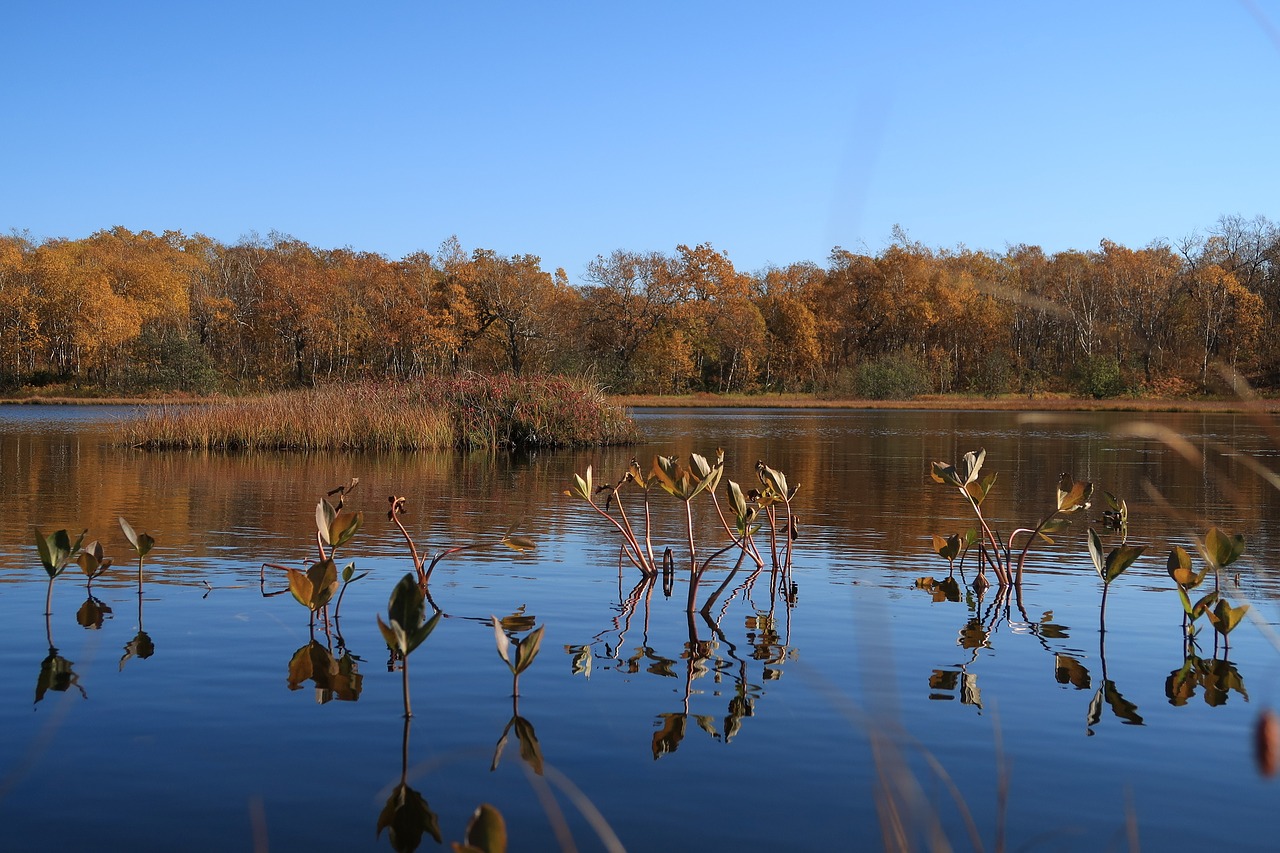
[471,412]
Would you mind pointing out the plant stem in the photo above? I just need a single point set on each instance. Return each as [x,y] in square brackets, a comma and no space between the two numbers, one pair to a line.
[404,671]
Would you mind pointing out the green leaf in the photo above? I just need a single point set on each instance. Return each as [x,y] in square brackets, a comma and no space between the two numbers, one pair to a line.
[1117,506]
[324,582]
[1202,606]
[737,502]
[141,542]
[708,475]
[528,650]
[57,550]
[300,587]
[393,634]
[407,604]
[415,637]
[1225,617]
[1122,558]
[1222,549]
[487,831]
[1179,567]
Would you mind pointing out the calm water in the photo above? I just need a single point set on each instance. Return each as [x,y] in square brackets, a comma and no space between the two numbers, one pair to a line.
[813,700]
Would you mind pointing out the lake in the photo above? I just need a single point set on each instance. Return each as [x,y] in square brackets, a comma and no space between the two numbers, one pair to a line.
[802,712]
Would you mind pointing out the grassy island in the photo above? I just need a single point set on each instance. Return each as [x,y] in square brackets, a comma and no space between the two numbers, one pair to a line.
[470,412]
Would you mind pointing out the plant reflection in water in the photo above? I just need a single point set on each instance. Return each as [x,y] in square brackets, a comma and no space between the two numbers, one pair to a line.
[716,656]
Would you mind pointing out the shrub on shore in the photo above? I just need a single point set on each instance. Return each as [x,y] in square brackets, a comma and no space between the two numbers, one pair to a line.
[472,412]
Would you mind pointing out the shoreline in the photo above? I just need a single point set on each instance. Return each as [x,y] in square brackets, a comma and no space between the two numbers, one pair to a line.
[941,402]
[960,403]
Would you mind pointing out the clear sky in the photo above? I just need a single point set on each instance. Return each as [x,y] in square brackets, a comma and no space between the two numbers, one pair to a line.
[569,129]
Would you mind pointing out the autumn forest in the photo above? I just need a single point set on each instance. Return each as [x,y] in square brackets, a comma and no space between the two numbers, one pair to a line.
[125,313]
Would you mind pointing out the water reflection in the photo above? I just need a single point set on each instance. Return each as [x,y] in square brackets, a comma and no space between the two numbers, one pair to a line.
[406,815]
[708,651]
[334,678]
[1217,677]
[56,672]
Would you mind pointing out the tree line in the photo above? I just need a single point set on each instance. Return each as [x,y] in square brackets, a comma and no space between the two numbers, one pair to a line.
[125,312]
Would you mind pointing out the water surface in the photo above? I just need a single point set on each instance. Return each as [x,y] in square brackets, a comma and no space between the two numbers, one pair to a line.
[803,698]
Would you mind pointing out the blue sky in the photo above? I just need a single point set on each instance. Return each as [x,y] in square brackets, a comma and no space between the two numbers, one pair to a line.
[572,129]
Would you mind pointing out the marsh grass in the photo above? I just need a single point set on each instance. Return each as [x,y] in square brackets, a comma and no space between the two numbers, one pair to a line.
[470,412]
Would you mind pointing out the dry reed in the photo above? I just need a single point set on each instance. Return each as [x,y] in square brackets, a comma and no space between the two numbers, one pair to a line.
[473,412]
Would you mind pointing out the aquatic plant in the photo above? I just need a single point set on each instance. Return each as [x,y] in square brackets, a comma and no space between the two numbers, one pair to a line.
[422,569]
[1072,497]
[405,628]
[142,544]
[685,482]
[56,553]
[1219,550]
[314,588]
[525,650]
[1110,566]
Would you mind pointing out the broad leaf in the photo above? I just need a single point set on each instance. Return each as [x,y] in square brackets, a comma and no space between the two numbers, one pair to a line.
[91,560]
[324,582]
[1122,558]
[528,650]
[946,474]
[415,638]
[300,587]
[1073,496]
[325,514]
[1222,549]
[141,542]
[1095,554]
[487,831]
[394,636]
[970,465]
[1225,617]
[57,550]
[407,604]
[503,643]
[343,527]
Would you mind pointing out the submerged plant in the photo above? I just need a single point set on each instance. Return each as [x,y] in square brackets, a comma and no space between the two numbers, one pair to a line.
[405,629]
